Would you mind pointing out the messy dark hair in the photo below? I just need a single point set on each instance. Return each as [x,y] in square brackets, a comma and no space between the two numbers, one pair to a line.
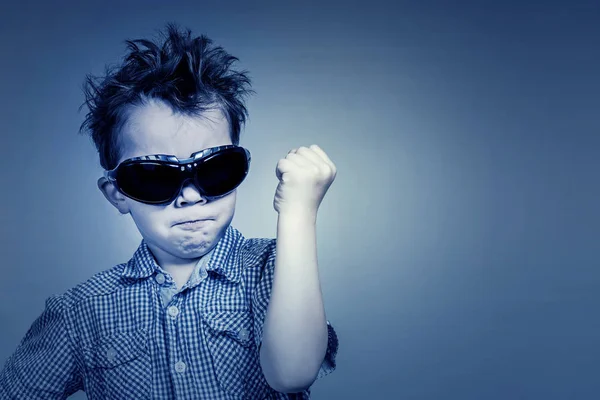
[189,74]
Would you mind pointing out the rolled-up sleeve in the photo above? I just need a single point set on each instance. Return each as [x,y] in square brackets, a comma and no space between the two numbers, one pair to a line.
[43,366]
[260,302]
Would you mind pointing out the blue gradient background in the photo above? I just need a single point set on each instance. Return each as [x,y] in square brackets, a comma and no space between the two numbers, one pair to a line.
[458,246]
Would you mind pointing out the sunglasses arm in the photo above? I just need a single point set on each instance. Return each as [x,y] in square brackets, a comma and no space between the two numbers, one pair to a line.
[108,175]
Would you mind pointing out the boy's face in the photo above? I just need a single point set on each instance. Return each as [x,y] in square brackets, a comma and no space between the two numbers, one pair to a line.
[154,129]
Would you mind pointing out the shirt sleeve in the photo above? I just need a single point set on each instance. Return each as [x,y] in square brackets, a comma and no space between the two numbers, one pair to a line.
[43,365]
[260,301]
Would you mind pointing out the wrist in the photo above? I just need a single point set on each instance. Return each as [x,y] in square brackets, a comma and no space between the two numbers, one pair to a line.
[298,215]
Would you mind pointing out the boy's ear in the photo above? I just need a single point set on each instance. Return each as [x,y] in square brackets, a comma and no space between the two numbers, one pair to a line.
[113,195]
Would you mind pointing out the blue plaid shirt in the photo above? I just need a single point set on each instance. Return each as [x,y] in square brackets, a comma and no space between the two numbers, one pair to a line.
[129,333]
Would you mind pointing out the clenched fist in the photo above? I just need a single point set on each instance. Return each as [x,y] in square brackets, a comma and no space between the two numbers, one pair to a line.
[304,176]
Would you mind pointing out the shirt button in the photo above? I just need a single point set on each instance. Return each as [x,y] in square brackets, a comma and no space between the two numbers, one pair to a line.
[243,334]
[160,278]
[180,366]
[173,311]
[111,353]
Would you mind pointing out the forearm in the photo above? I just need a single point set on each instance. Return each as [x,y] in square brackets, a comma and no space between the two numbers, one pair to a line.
[295,327]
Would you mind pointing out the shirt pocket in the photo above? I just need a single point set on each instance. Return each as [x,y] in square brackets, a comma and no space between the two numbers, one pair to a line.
[118,366]
[231,344]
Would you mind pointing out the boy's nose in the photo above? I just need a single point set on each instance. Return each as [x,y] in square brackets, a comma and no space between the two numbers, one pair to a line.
[190,194]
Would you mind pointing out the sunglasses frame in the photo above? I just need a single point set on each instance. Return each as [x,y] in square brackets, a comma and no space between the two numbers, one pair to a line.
[186,164]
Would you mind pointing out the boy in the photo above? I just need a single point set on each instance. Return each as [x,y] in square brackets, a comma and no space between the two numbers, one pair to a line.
[199,311]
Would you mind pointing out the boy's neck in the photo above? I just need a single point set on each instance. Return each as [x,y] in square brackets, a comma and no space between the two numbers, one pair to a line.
[180,270]
[180,273]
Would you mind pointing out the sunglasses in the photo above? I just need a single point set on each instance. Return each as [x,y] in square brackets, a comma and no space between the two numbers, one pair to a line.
[159,178]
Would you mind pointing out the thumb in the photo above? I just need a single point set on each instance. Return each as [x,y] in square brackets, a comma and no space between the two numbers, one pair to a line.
[283,166]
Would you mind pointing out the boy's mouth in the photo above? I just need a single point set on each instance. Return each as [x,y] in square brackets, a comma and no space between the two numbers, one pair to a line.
[191,222]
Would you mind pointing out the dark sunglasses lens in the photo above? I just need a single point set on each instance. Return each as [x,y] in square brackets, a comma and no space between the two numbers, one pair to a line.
[223,172]
[149,182]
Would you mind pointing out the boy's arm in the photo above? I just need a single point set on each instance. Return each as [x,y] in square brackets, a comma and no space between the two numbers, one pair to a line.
[296,343]
[295,327]
[295,334]
[43,365]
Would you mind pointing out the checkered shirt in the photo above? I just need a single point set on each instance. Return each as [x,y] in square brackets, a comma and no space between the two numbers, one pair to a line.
[129,333]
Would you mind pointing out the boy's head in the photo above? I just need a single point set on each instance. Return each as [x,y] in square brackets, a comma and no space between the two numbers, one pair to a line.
[174,98]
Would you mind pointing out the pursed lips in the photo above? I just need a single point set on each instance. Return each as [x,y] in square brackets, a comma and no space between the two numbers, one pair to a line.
[191,220]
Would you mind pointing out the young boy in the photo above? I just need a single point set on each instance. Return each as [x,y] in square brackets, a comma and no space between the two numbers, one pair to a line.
[199,311]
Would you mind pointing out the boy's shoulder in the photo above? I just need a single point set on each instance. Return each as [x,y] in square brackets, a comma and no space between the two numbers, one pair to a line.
[101,283]
[258,246]
[257,253]
[243,252]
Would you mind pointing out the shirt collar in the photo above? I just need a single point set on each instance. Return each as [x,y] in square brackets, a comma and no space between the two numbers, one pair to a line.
[222,261]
